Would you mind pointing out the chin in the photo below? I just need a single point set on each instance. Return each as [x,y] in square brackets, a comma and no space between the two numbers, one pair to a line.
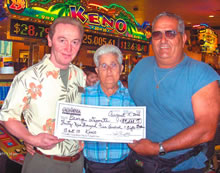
[165,56]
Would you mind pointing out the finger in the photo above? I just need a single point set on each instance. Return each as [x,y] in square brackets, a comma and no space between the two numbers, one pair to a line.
[61,140]
[131,145]
[49,147]
[52,137]
[135,141]
[32,153]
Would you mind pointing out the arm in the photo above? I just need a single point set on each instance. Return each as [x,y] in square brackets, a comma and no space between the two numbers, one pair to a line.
[206,110]
[42,140]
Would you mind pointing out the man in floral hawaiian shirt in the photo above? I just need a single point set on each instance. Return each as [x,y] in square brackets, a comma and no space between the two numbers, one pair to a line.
[35,92]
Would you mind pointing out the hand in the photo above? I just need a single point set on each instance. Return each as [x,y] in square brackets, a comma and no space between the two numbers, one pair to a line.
[144,147]
[29,148]
[45,141]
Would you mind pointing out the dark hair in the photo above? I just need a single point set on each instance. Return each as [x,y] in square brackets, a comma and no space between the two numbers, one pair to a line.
[65,20]
[89,70]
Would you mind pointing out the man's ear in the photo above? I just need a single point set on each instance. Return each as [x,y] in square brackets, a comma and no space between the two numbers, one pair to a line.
[49,41]
[122,67]
[184,38]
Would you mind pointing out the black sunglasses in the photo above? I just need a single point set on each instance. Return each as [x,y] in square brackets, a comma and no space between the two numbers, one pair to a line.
[170,34]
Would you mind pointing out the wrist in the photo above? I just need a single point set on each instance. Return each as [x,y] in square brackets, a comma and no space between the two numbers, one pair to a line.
[161,149]
[30,139]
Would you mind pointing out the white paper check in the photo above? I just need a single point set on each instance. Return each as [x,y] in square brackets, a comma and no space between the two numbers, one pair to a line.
[100,123]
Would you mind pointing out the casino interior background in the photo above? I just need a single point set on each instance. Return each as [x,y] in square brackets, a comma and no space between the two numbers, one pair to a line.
[124,23]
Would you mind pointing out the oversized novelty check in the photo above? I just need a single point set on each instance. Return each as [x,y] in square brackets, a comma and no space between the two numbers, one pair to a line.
[100,123]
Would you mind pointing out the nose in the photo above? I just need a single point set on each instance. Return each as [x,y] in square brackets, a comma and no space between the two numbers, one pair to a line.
[109,69]
[68,47]
[163,38]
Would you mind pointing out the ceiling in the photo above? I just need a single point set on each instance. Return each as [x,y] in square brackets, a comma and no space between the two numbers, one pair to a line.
[192,11]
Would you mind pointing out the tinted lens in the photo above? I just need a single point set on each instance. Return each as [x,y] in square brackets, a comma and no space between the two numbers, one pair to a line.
[170,34]
[156,35]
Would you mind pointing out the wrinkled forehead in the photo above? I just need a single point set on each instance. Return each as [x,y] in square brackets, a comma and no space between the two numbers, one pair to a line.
[110,56]
[66,27]
[165,23]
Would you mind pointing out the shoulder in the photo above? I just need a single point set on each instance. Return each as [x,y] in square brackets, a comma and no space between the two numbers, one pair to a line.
[145,61]
[199,74]
[124,93]
[78,74]
[90,95]
[143,67]
[200,68]
[123,90]
[76,69]
[144,64]
[91,90]
[29,72]
[195,63]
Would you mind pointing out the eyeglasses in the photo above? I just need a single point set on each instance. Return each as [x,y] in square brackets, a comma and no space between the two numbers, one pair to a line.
[169,34]
[112,66]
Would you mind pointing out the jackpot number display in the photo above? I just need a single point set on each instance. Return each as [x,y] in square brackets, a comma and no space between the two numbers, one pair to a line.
[133,46]
[98,40]
[35,30]
[28,29]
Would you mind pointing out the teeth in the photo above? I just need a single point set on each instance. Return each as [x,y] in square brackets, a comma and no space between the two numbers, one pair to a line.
[164,47]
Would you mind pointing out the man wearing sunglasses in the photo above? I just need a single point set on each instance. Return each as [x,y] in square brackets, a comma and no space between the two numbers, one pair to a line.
[182,100]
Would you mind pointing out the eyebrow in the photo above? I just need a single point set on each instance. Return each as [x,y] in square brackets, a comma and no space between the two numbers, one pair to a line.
[77,39]
[62,37]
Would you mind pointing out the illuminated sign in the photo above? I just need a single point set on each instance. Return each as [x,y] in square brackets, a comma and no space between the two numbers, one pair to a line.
[208,40]
[28,29]
[33,30]
[204,39]
[97,20]
[92,39]
[113,19]
[135,46]
[98,40]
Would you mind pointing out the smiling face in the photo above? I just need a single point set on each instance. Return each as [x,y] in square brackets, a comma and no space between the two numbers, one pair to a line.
[109,71]
[168,52]
[64,45]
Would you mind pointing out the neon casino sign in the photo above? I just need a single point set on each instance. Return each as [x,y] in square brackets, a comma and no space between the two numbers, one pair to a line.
[207,38]
[112,19]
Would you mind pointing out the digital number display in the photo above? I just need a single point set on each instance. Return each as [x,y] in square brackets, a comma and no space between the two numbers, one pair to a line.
[133,46]
[35,30]
[98,40]
[28,29]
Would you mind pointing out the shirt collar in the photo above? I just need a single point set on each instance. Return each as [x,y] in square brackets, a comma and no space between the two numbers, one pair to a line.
[121,88]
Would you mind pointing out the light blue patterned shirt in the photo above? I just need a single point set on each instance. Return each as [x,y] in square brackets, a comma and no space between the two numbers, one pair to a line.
[101,151]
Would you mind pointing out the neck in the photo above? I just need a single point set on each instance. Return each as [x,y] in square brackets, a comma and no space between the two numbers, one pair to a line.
[168,64]
[60,66]
[109,90]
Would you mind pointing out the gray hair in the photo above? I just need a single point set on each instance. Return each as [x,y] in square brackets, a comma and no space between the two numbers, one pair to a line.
[181,25]
[107,48]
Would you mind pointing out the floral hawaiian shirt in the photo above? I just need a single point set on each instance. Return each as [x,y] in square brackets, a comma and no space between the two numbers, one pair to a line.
[35,92]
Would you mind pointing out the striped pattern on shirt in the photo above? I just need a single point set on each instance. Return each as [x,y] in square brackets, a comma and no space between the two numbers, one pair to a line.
[103,152]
